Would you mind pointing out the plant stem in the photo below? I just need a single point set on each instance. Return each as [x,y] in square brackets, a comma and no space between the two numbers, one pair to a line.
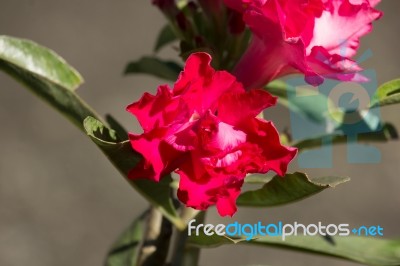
[154,249]
[184,255]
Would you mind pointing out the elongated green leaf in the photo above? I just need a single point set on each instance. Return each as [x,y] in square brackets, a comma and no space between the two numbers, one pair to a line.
[165,37]
[287,189]
[387,133]
[46,75]
[167,70]
[39,61]
[387,94]
[125,250]
[369,251]
[299,101]
[124,159]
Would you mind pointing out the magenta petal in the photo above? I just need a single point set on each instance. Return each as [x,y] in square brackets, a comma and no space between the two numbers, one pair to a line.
[274,155]
[205,191]
[182,137]
[236,107]
[202,94]
[270,55]
[199,85]
[159,156]
[159,110]
[340,28]
[334,66]
[216,137]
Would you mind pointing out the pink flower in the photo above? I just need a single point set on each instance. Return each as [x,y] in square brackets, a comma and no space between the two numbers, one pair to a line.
[314,37]
[206,129]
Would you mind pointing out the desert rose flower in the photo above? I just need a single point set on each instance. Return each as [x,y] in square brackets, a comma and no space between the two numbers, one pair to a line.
[205,128]
[316,37]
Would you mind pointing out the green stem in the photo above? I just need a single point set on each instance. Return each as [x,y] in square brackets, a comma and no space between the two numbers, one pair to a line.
[154,249]
[184,255]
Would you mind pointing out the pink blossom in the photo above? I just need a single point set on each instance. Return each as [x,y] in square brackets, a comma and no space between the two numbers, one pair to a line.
[315,37]
[205,128]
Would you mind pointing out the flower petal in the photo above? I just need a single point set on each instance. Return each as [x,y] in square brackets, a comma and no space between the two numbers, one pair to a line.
[200,86]
[215,136]
[340,28]
[334,66]
[159,156]
[273,155]
[159,110]
[203,192]
[236,107]
[270,56]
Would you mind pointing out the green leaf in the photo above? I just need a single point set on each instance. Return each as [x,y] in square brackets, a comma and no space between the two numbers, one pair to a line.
[366,250]
[299,101]
[46,75]
[287,189]
[124,158]
[102,134]
[39,61]
[166,36]
[258,178]
[213,241]
[371,251]
[125,250]
[167,70]
[387,133]
[387,94]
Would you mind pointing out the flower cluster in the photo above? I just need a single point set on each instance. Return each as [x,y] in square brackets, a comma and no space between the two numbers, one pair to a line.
[206,127]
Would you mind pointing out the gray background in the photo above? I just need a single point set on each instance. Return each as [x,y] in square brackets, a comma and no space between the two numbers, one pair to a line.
[61,201]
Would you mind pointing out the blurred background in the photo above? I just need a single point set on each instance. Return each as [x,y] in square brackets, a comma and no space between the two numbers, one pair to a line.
[62,203]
